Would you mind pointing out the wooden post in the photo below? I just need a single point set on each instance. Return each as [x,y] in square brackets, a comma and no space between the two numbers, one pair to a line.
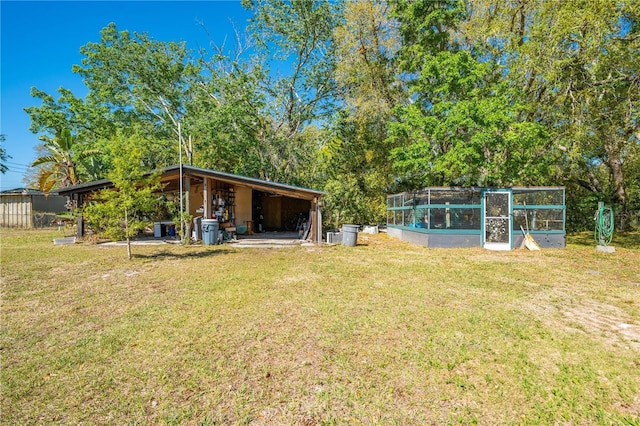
[80,232]
[79,203]
[318,222]
[187,207]
[314,219]
[206,195]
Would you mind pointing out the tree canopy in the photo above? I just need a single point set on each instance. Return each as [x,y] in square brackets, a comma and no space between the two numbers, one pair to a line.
[364,98]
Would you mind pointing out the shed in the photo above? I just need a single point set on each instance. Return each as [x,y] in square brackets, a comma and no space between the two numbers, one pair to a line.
[249,204]
[478,217]
[29,208]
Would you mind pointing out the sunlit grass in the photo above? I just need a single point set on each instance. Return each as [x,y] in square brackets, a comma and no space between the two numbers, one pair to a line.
[620,239]
[382,333]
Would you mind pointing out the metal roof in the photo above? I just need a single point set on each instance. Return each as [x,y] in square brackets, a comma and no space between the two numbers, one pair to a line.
[26,191]
[267,186]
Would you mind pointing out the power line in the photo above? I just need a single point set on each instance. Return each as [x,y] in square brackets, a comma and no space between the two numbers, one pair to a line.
[17,164]
[18,169]
[11,170]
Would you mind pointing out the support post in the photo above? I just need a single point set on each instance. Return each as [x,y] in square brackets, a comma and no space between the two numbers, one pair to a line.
[188,222]
[207,198]
[182,224]
[80,223]
[316,230]
[80,232]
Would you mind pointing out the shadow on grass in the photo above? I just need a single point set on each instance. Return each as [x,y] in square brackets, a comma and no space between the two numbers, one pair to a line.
[192,254]
[629,240]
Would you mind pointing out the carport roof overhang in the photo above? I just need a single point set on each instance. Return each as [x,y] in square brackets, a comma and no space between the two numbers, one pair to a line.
[173,172]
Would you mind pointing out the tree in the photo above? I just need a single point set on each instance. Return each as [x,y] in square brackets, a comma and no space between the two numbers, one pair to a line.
[295,47]
[575,65]
[354,158]
[134,83]
[124,210]
[596,86]
[140,79]
[465,123]
[355,171]
[88,122]
[228,115]
[3,155]
[367,42]
[60,162]
[462,128]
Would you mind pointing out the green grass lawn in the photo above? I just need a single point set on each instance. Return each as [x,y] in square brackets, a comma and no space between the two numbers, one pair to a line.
[382,333]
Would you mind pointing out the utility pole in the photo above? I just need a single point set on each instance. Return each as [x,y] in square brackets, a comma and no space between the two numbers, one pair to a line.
[181,191]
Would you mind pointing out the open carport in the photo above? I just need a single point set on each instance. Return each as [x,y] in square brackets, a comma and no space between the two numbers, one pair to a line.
[246,204]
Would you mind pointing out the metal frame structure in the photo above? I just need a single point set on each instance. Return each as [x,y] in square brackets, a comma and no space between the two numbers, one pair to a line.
[486,217]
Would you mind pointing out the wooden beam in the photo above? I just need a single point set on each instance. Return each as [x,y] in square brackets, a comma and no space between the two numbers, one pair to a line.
[187,207]
[318,222]
[206,195]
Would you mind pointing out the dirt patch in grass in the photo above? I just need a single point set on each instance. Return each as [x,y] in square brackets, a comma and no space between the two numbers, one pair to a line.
[603,322]
[606,321]
[609,324]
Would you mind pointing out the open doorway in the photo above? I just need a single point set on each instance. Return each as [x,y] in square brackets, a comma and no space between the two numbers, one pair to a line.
[275,212]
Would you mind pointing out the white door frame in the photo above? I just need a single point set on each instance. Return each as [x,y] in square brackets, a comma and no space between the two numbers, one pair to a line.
[497,242]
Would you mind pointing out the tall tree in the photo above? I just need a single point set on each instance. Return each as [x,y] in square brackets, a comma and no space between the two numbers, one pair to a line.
[295,44]
[576,66]
[355,170]
[367,42]
[88,122]
[140,79]
[595,81]
[134,83]
[355,155]
[228,114]
[464,125]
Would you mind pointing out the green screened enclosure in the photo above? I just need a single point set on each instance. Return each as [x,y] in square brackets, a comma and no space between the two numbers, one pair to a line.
[493,218]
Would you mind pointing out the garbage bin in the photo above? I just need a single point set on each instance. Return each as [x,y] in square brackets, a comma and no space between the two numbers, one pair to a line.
[209,232]
[197,227]
[350,235]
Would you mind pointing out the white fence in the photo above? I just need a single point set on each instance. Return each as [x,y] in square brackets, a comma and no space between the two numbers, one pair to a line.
[16,211]
[27,209]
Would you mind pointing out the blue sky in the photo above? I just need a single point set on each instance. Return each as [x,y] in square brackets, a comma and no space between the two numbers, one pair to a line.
[41,40]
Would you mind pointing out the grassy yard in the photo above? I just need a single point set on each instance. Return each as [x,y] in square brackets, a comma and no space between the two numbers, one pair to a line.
[382,333]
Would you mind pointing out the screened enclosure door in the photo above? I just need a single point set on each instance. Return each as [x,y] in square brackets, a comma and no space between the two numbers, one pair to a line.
[497,220]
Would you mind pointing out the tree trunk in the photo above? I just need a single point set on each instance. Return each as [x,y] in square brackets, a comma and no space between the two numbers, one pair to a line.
[126,232]
[615,165]
[617,175]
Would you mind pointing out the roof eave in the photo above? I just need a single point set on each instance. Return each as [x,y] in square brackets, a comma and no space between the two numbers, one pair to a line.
[84,188]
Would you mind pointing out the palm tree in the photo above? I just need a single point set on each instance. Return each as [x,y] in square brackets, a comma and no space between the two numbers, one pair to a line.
[60,162]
